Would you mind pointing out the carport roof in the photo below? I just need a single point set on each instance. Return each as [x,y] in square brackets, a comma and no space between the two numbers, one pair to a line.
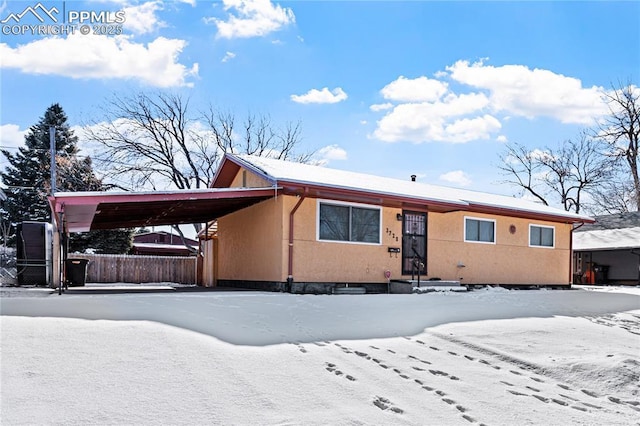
[88,211]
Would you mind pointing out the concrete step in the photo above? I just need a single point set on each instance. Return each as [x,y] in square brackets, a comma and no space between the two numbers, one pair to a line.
[435,283]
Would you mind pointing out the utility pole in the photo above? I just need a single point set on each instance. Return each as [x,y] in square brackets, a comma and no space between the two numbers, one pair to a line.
[52,147]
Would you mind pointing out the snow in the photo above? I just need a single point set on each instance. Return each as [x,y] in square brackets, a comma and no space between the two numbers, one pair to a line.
[302,173]
[607,239]
[492,356]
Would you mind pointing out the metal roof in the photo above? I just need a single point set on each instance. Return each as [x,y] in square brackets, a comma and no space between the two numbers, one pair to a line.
[323,182]
[85,211]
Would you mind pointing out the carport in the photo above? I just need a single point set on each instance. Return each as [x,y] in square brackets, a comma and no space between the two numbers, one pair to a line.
[88,211]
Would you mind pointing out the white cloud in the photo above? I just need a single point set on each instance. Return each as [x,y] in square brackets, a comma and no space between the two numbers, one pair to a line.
[103,57]
[442,121]
[519,90]
[323,96]
[469,129]
[421,89]
[228,56]
[456,177]
[363,122]
[381,107]
[252,18]
[428,109]
[331,152]
[11,136]
[142,19]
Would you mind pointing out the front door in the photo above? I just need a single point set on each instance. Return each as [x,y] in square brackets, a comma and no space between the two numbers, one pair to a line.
[414,243]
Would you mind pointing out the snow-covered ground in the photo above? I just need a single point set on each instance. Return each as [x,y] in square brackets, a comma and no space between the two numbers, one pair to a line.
[493,357]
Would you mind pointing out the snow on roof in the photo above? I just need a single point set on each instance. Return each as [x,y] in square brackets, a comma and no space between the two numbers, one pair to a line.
[279,170]
[613,221]
[607,239]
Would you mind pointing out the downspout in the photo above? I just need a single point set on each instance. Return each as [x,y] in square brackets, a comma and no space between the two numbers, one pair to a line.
[571,252]
[290,263]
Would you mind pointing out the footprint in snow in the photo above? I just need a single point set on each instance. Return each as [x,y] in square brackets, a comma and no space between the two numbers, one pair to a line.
[592,406]
[516,393]
[532,388]
[578,408]
[541,398]
[434,348]
[384,404]
[438,373]
[568,397]
[564,386]
[590,393]
[559,401]
[468,418]
[535,379]
[374,347]
[506,383]
[515,372]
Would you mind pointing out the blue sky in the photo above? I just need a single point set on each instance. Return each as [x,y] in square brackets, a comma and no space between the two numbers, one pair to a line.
[434,89]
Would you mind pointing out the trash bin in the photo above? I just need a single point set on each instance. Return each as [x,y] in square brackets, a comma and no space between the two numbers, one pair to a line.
[76,272]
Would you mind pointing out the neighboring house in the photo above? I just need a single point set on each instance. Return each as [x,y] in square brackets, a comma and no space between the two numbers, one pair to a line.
[162,243]
[323,228]
[608,251]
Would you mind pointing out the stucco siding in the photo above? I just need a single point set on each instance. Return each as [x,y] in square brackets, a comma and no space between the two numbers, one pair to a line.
[248,179]
[509,261]
[342,262]
[254,246]
[250,241]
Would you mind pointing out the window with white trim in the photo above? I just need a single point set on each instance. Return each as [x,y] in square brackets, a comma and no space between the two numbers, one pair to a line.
[479,230]
[348,223]
[541,236]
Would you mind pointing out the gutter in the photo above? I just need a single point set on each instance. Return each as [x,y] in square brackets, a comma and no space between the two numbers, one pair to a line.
[291,223]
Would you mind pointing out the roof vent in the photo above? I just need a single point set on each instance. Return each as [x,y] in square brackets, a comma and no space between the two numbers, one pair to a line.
[413,178]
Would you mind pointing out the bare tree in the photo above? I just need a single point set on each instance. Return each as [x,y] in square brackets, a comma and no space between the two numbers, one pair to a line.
[566,174]
[156,141]
[621,129]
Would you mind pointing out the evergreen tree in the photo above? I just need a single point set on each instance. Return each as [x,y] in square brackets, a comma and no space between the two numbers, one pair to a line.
[28,180]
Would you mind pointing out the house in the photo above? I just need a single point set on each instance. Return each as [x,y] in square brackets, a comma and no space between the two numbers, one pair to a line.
[324,228]
[608,250]
[162,243]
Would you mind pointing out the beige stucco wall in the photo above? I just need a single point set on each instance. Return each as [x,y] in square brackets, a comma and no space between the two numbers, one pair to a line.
[323,261]
[253,245]
[249,243]
[509,261]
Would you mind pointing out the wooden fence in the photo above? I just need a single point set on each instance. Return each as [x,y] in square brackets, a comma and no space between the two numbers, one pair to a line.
[119,268]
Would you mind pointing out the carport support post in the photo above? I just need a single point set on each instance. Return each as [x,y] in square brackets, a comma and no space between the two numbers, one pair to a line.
[56,270]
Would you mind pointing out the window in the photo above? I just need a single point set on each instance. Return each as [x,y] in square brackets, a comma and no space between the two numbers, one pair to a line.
[344,222]
[541,236]
[479,230]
